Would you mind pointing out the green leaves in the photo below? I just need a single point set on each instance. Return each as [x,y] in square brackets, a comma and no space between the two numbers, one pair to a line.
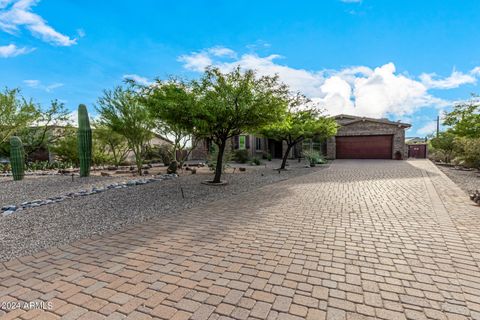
[16,113]
[237,101]
[465,119]
[123,112]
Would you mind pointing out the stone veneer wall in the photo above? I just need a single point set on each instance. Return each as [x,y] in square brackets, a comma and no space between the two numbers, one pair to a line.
[368,128]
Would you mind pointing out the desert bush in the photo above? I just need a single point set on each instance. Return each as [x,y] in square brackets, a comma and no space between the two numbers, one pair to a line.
[241,156]
[468,150]
[314,157]
[256,161]
[165,152]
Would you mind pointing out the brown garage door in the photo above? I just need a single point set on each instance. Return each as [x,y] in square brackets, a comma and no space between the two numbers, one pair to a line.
[364,147]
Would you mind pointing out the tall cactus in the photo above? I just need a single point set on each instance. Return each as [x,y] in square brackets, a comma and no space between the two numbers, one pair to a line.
[84,141]
[17,158]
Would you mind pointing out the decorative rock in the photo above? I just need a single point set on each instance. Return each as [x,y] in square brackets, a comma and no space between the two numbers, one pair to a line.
[172,167]
[7,213]
[9,209]
[105,174]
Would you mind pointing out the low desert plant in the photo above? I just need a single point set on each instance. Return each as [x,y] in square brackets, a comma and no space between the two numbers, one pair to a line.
[256,161]
[314,157]
[241,156]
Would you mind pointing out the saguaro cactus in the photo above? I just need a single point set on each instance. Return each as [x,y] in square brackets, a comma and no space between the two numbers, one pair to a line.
[84,141]
[17,158]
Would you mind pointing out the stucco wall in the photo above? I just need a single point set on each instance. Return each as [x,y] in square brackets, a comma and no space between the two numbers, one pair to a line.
[366,128]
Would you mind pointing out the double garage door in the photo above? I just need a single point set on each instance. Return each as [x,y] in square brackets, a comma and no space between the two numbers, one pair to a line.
[364,147]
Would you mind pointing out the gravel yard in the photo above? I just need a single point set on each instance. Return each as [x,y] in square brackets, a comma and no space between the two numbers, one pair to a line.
[466,180]
[31,230]
[39,187]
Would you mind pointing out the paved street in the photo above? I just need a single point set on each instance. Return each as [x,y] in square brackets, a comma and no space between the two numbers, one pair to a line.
[363,239]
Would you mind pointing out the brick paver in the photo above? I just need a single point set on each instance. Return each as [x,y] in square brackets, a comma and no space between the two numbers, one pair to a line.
[360,240]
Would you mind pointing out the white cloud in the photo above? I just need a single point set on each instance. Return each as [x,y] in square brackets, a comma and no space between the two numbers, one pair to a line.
[12,50]
[475,71]
[37,84]
[197,61]
[455,80]
[357,90]
[138,79]
[428,128]
[16,13]
[222,52]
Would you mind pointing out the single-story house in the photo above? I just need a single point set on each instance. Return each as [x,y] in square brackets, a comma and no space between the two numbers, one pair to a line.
[367,138]
[256,146]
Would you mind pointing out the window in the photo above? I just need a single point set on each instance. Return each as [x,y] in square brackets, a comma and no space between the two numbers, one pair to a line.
[241,142]
[258,143]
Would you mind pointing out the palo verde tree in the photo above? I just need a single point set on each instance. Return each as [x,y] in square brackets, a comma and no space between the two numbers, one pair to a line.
[299,123]
[16,113]
[236,102]
[122,111]
[464,119]
[173,105]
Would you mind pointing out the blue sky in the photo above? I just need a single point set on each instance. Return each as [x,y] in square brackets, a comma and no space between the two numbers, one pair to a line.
[405,59]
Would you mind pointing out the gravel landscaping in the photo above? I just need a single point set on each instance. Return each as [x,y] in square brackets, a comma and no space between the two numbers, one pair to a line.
[32,187]
[31,230]
[466,180]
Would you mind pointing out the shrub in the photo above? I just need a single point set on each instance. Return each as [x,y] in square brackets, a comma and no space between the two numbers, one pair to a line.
[241,156]
[314,157]
[165,151]
[469,152]
[256,161]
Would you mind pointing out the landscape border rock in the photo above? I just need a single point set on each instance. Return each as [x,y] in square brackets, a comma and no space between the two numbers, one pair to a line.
[9,209]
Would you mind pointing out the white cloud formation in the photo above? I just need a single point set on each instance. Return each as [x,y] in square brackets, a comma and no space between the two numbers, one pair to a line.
[428,128]
[455,80]
[17,13]
[475,71]
[138,79]
[358,90]
[37,84]
[12,50]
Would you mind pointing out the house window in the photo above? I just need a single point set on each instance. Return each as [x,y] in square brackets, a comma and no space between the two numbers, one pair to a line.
[241,142]
[258,143]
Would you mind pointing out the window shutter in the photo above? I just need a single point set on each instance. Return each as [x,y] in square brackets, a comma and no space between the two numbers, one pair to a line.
[236,143]
[247,142]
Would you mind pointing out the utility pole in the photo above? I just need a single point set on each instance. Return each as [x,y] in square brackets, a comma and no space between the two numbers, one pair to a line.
[438,125]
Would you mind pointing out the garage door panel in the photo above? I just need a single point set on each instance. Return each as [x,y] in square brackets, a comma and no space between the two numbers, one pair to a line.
[364,147]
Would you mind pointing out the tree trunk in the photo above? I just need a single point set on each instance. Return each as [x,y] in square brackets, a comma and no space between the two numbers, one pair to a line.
[285,156]
[219,167]
[138,161]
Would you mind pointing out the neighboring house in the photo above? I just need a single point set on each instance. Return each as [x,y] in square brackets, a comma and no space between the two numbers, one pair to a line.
[367,138]
[415,140]
[44,154]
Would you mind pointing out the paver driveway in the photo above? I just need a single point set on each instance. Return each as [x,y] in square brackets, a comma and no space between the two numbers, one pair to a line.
[362,239]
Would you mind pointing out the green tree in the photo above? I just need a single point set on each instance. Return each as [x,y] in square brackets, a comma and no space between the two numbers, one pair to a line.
[299,123]
[65,148]
[464,119]
[122,111]
[42,133]
[173,105]
[445,142]
[236,102]
[16,113]
[109,145]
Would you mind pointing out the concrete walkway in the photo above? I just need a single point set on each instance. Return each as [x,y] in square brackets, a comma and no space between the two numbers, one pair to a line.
[362,239]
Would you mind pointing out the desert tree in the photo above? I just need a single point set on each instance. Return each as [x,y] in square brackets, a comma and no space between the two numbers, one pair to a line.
[172,105]
[16,113]
[301,121]
[121,110]
[235,102]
